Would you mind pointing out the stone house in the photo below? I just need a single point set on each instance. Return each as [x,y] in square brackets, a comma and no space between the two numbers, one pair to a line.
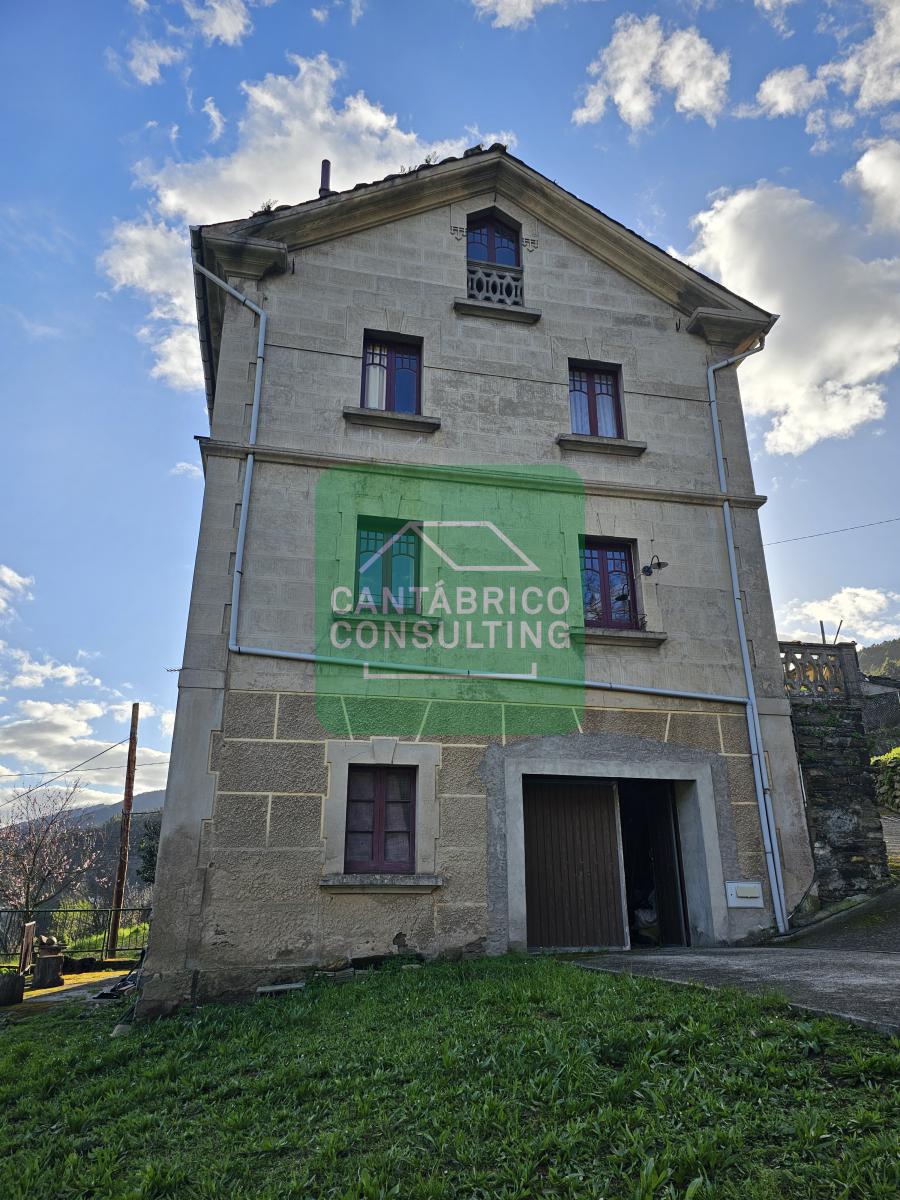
[420,391]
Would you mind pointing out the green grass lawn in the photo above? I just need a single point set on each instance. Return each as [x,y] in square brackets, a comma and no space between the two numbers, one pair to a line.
[498,1079]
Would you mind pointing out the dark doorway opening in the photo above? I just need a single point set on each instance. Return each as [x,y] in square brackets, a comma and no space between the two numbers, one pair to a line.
[651,852]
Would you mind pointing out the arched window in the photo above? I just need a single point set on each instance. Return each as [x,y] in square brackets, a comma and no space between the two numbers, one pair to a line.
[491,240]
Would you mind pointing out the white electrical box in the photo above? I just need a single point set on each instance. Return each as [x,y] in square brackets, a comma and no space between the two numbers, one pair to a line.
[744,894]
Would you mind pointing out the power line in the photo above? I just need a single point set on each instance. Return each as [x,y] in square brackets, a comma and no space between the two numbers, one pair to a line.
[118,767]
[63,774]
[87,771]
[827,532]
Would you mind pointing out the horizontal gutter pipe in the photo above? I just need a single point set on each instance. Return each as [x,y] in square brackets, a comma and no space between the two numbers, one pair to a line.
[462,673]
[754,730]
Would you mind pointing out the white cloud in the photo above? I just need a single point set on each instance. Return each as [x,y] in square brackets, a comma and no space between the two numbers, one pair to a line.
[775,11]
[225,21]
[689,67]
[52,737]
[23,671]
[867,71]
[154,258]
[13,588]
[140,6]
[122,712]
[167,721]
[356,7]
[86,655]
[216,120]
[785,93]
[191,470]
[870,69]
[511,14]
[290,122]
[877,174]
[868,615]
[147,58]
[817,128]
[821,374]
[640,60]
[177,355]
[38,331]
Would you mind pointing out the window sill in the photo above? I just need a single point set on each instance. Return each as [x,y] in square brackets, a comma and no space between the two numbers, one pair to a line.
[500,312]
[407,884]
[594,636]
[600,445]
[391,420]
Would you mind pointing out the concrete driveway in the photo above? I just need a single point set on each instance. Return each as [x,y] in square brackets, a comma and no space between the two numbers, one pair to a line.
[847,966]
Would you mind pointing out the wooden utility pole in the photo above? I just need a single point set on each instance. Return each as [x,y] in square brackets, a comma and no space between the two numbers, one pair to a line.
[124,832]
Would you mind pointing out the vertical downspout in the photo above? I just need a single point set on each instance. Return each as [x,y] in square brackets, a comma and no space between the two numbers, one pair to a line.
[248,468]
[754,731]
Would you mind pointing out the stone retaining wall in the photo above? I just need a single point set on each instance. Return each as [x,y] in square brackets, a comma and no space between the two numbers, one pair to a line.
[844,825]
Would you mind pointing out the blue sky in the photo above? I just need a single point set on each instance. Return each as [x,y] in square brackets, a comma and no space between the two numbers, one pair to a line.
[760,140]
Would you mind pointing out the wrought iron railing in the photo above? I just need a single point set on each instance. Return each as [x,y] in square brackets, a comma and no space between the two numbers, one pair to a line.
[497,285]
[83,932]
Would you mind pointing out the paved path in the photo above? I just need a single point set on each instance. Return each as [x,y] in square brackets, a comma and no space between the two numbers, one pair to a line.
[872,926]
[84,986]
[848,966]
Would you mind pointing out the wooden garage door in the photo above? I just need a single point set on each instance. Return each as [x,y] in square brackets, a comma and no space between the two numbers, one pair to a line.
[573,880]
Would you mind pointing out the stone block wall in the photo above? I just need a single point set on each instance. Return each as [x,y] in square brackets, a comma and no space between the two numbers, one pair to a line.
[266,913]
[844,826]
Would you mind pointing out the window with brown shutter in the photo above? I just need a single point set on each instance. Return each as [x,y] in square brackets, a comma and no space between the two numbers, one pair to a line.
[380,836]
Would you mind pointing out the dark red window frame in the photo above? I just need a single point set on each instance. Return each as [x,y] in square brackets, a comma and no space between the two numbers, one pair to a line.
[400,360]
[487,236]
[592,388]
[607,578]
[375,811]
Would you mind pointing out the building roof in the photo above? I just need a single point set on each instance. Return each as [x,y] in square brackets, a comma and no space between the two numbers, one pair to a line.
[260,244]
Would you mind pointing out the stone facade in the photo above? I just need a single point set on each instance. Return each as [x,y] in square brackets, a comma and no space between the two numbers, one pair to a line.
[249,882]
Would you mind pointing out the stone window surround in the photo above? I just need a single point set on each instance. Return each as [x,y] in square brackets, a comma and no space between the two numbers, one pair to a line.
[704,880]
[388,751]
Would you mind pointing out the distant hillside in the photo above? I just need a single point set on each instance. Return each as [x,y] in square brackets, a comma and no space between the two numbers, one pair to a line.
[881,659]
[99,814]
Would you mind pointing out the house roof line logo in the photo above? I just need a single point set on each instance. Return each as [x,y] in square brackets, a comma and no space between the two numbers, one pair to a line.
[418,527]
[510,677]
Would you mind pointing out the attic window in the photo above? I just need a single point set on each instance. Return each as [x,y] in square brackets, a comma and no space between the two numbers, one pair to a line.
[494,263]
[491,240]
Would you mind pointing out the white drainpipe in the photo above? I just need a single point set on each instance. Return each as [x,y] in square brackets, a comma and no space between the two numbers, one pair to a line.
[235,647]
[757,751]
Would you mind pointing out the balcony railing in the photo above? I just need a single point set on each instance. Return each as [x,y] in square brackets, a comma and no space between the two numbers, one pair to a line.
[496,285]
[820,672]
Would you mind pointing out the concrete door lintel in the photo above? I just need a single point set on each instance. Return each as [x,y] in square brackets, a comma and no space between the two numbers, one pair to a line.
[704,880]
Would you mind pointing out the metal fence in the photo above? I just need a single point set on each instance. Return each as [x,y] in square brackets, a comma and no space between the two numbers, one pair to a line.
[83,931]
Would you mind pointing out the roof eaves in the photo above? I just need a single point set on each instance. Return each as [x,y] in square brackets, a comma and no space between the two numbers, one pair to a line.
[201,299]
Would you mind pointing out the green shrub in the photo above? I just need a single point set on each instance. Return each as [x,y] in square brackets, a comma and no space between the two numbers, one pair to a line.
[887,778]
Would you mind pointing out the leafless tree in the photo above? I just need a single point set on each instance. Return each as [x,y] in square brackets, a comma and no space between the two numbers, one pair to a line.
[45,851]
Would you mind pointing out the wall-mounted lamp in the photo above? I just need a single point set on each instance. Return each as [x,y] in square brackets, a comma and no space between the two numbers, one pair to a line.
[655,564]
